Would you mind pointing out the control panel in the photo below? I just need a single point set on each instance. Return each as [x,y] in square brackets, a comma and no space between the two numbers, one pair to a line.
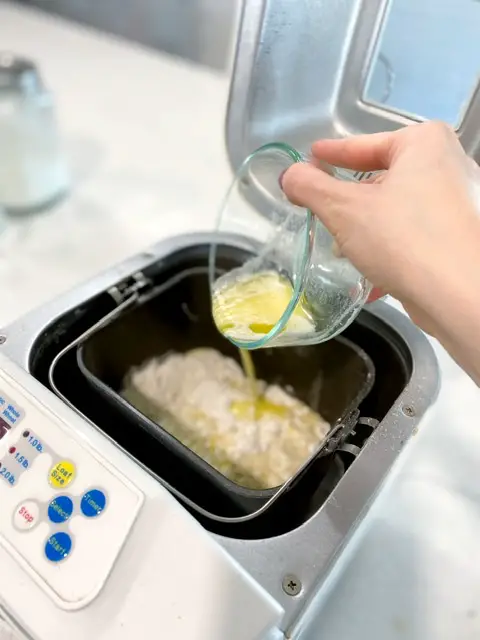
[65,512]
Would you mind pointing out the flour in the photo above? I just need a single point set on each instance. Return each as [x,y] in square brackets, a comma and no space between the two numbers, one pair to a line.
[191,396]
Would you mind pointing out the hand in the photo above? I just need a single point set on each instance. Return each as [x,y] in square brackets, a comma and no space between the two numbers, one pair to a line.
[415,231]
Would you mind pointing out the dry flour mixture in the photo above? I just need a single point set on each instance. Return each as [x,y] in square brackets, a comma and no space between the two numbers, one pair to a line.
[193,396]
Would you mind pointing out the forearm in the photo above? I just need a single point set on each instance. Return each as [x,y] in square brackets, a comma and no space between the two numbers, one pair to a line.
[455,316]
[462,341]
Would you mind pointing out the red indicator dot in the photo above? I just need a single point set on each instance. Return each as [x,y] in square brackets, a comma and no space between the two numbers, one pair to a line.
[12,450]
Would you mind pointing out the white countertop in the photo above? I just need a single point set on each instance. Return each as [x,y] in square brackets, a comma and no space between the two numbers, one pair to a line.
[144,133]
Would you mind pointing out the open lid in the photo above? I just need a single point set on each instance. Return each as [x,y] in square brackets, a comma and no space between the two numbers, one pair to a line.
[308,69]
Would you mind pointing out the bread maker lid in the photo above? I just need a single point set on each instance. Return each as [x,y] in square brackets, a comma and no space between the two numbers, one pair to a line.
[303,70]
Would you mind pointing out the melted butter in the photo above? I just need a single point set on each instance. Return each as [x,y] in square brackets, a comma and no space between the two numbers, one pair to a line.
[249,369]
[249,308]
[256,407]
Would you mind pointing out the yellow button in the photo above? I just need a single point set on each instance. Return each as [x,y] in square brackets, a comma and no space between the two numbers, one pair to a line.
[62,474]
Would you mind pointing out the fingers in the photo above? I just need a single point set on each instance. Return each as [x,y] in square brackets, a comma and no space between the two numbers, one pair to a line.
[327,197]
[377,151]
[362,153]
[376,294]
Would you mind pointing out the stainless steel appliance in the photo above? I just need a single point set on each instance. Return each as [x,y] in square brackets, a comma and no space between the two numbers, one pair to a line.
[175,555]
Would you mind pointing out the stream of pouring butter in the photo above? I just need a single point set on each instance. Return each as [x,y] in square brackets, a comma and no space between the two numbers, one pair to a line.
[248,307]
[257,405]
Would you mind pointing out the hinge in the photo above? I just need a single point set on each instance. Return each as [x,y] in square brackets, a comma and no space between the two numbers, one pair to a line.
[130,289]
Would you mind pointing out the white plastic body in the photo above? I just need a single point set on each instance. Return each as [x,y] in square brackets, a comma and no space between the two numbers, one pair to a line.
[144,567]
[33,171]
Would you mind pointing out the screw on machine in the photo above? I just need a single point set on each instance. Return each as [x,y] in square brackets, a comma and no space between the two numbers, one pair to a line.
[291,585]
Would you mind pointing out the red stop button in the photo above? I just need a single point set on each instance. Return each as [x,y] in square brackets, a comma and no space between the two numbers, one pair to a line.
[26,515]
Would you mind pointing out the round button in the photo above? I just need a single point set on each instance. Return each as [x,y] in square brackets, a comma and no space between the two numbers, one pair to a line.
[58,546]
[26,515]
[93,503]
[60,509]
[62,474]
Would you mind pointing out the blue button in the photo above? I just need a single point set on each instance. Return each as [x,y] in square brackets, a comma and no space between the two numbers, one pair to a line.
[60,509]
[58,546]
[93,503]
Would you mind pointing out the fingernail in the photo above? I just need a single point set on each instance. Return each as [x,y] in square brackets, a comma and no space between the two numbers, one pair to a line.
[280,178]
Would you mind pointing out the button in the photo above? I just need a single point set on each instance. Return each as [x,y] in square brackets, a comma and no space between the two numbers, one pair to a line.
[34,442]
[26,515]
[10,411]
[19,458]
[62,474]
[6,475]
[60,509]
[58,546]
[93,503]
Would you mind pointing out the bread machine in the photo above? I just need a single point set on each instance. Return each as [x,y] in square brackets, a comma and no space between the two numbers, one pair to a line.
[106,530]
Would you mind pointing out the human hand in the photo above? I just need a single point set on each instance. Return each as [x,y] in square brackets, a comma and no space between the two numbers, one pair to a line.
[415,231]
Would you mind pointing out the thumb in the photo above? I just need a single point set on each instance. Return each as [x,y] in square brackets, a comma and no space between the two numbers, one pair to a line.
[330,199]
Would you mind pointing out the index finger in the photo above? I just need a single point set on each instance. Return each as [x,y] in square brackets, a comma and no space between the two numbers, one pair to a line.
[369,152]
[327,197]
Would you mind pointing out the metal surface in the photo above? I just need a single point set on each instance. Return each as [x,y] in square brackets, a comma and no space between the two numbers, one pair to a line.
[300,71]
[309,551]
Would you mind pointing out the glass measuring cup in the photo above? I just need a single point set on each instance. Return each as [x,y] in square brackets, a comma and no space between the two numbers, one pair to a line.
[294,289]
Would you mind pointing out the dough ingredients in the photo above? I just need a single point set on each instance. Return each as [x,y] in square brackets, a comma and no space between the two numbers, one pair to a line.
[205,400]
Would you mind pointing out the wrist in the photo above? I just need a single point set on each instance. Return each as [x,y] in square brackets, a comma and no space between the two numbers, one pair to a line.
[453,306]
